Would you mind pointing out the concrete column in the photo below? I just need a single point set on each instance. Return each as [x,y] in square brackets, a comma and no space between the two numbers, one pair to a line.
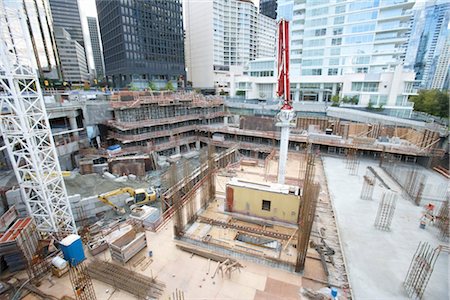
[333,89]
[297,93]
[197,145]
[225,121]
[73,124]
[321,92]
[177,149]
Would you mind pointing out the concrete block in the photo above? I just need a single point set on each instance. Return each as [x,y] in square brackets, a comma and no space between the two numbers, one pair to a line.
[121,179]
[108,175]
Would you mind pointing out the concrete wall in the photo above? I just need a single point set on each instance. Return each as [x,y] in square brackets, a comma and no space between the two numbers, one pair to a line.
[283,207]
[97,112]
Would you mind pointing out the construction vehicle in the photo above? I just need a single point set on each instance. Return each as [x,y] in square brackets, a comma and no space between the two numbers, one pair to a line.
[138,197]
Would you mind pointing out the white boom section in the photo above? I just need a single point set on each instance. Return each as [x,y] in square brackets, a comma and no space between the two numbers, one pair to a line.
[285,117]
[26,130]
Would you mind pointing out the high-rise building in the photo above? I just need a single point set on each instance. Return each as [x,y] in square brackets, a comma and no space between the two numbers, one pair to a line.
[39,23]
[348,48]
[266,37]
[285,9]
[334,37]
[73,59]
[142,41]
[441,69]
[66,14]
[97,52]
[239,34]
[268,8]
[428,45]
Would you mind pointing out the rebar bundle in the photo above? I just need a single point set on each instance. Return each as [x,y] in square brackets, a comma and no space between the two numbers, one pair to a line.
[81,282]
[442,221]
[420,270]
[143,287]
[368,186]
[386,211]
[307,212]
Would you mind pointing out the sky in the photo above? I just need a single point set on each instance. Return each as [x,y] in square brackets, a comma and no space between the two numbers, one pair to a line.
[87,9]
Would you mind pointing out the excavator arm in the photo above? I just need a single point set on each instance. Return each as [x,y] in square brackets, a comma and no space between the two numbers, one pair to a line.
[139,197]
[105,198]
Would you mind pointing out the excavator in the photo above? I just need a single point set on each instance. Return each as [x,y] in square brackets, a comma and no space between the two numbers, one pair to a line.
[138,197]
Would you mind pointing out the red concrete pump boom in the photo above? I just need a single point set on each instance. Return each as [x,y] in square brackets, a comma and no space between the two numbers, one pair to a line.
[283,64]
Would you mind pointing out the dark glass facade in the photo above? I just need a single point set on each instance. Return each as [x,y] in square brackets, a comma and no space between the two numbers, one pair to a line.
[66,14]
[268,8]
[142,40]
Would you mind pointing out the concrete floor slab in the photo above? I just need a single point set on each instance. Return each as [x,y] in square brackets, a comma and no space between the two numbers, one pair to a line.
[377,261]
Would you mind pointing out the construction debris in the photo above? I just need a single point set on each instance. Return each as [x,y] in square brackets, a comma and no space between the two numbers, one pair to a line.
[386,211]
[121,278]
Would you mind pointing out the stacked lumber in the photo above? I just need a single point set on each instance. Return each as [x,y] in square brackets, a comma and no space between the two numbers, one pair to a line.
[19,244]
[443,171]
[121,278]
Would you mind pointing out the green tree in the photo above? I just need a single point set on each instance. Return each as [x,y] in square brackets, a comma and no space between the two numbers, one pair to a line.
[152,86]
[132,87]
[335,100]
[370,106]
[433,102]
[169,86]
[354,100]
[345,99]
[240,93]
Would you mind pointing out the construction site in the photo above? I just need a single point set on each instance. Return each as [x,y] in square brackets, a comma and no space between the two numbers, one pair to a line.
[180,199]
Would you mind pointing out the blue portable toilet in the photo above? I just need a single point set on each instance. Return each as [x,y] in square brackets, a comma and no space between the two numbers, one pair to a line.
[72,249]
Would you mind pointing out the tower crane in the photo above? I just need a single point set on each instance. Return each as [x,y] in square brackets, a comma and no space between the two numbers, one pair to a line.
[26,129]
[286,114]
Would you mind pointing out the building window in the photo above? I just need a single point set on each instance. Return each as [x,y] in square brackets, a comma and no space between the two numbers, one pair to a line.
[336,41]
[266,205]
[320,32]
[340,9]
[337,31]
[365,87]
[333,71]
[339,20]
[362,70]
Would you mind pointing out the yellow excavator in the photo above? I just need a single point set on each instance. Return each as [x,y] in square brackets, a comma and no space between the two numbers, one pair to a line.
[138,197]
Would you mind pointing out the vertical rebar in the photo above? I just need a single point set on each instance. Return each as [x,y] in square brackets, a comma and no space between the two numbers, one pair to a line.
[306,211]
[386,211]
[368,186]
[420,270]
